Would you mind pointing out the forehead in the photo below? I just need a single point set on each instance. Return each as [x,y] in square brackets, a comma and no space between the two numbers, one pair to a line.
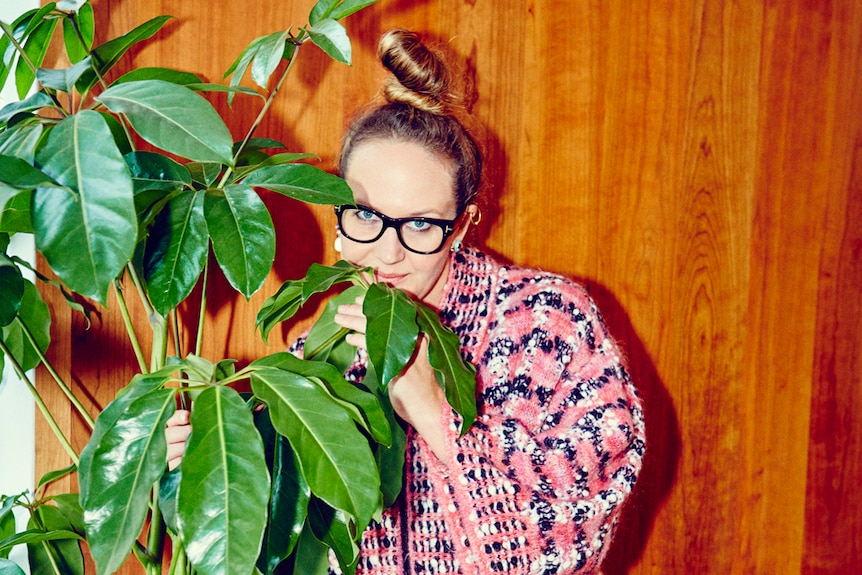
[401,179]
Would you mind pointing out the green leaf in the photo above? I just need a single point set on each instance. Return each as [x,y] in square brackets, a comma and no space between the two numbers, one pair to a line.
[334,529]
[326,335]
[173,118]
[224,485]
[288,505]
[279,307]
[52,476]
[35,536]
[204,173]
[156,73]
[15,213]
[69,506]
[152,171]
[455,376]
[320,278]
[36,47]
[348,7]
[87,236]
[86,31]
[242,234]
[18,174]
[59,553]
[11,290]
[302,182]
[32,103]
[334,456]
[22,141]
[267,56]
[176,251]
[62,79]
[8,567]
[331,37]
[108,419]
[362,405]
[312,556]
[34,314]
[391,331]
[389,457]
[109,53]
[127,460]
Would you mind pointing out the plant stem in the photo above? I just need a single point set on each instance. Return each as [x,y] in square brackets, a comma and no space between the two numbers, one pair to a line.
[262,113]
[203,309]
[156,537]
[59,380]
[130,329]
[40,403]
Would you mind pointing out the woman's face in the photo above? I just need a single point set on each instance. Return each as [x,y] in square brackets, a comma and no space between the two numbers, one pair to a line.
[401,179]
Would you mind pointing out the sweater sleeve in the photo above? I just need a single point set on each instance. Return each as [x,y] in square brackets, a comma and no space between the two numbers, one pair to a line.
[537,483]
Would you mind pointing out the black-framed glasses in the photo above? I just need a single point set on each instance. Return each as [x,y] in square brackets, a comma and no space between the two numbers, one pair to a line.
[418,234]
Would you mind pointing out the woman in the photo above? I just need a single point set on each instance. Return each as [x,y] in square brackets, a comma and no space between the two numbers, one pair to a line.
[537,483]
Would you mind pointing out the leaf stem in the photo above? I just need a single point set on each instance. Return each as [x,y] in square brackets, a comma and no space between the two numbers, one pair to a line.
[199,339]
[56,376]
[61,437]
[130,329]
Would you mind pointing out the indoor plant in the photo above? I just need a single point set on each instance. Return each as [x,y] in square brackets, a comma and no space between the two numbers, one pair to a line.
[276,477]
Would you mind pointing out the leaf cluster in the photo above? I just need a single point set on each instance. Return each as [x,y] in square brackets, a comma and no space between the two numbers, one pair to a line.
[138,178]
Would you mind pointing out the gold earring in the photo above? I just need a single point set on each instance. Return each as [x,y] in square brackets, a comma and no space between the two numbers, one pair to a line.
[476,216]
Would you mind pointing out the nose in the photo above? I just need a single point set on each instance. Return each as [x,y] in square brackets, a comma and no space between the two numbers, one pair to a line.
[388,247]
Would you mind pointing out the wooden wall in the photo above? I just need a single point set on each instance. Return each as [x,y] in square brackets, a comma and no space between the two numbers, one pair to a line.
[697,164]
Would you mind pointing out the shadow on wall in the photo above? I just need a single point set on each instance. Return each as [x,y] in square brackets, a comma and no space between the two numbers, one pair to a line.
[663,440]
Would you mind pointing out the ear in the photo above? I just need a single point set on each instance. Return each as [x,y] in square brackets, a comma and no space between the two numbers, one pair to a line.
[472,215]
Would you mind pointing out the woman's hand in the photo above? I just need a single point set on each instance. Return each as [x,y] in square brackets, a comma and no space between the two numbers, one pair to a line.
[176,433]
[415,394]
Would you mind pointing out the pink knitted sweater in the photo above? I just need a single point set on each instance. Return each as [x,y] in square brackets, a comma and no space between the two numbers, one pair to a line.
[537,483]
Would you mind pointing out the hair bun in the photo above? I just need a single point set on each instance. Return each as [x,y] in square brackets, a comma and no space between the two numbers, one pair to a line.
[421,78]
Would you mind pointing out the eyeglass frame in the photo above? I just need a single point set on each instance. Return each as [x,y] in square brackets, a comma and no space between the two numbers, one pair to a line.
[448,226]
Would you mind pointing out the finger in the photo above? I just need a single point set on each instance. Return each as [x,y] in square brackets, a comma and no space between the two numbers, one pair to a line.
[347,317]
[356,340]
[180,417]
[177,434]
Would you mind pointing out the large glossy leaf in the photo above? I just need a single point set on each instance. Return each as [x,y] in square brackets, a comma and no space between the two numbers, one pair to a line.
[15,213]
[78,35]
[109,417]
[62,79]
[126,462]
[288,504]
[33,312]
[303,182]
[312,556]
[224,486]
[331,37]
[391,331]
[11,290]
[46,557]
[87,236]
[242,235]
[173,118]
[109,53]
[361,405]
[36,47]
[334,456]
[389,457]
[176,251]
[455,376]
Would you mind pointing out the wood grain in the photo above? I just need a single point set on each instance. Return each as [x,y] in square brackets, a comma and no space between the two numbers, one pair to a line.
[698,165]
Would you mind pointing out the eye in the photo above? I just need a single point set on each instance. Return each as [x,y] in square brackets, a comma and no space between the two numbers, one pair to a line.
[366,216]
[418,226]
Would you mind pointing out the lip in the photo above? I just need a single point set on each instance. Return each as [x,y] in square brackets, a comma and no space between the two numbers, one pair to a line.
[389,279]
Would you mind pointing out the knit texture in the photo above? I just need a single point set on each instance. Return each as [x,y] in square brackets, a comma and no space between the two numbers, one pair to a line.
[537,483]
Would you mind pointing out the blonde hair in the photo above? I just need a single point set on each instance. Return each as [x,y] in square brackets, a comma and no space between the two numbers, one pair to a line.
[422,107]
